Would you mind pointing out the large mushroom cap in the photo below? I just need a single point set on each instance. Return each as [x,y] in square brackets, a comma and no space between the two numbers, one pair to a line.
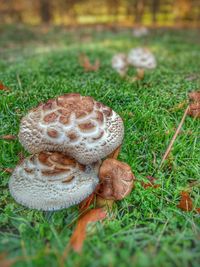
[75,125]
[141,58]
[52,181]
[116,179]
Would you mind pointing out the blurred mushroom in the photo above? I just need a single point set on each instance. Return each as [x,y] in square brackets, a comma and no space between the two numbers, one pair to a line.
[120,64]
[116,180]
[140,31]
[141,58]
[73,124]
[52,181]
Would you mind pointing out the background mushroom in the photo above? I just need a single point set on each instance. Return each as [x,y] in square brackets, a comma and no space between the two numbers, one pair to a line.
[73,124]
[116,180]
[119,63]
[141,58]
[140,31]
[52,181]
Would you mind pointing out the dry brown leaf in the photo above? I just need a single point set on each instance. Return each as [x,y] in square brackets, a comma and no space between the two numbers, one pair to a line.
[147,185]
[194,96]
[87,65]
[79,234]
[194,107]
[194,110]
[85,204]
[185,203]
[8,137]
[3,87]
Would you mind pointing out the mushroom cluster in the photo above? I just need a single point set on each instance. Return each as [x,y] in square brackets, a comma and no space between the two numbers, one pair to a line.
[69,137]
[139,57]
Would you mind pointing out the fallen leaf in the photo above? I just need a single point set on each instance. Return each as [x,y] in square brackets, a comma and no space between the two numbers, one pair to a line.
[85,204]
[194,96]
[185,203]
[146,185]
[194,107]
[194,110]
[3,87]
[8,137]
[79,234]
[87,65]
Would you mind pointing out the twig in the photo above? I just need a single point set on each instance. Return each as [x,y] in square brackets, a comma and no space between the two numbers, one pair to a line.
[174,137]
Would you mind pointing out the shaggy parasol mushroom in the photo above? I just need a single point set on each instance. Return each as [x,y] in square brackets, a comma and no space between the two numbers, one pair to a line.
[78,126]
[52,181]
[141,58]
[120,64]
[116,180]
[66,133]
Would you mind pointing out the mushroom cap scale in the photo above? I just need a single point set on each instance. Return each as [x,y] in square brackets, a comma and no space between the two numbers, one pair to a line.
[52,181]
[75,125]
[116,180]
[141,58]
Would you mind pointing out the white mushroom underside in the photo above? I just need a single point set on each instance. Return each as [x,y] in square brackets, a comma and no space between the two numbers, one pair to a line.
[49,192]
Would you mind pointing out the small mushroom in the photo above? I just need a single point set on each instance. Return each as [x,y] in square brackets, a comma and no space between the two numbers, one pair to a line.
[119,63]
[52,181]
[75,125]
[141,58]
[140,31]
[116,180]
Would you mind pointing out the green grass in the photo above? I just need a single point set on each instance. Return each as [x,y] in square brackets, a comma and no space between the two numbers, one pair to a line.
[149,229]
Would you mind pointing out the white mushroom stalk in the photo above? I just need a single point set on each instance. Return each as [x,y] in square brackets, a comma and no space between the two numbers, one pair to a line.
[142,58]
[52,181]
[78,126]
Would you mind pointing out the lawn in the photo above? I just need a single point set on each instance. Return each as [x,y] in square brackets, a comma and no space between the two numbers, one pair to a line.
[147,229]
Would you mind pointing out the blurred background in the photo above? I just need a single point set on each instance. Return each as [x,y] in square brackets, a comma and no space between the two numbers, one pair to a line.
[115,12]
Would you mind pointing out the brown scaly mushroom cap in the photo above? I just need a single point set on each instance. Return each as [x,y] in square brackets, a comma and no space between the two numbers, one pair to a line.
[73,124]
[116,180]
[52,181]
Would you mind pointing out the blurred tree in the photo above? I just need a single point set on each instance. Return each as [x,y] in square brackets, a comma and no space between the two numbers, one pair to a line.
[155,10]
[163,12]
[45,11]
